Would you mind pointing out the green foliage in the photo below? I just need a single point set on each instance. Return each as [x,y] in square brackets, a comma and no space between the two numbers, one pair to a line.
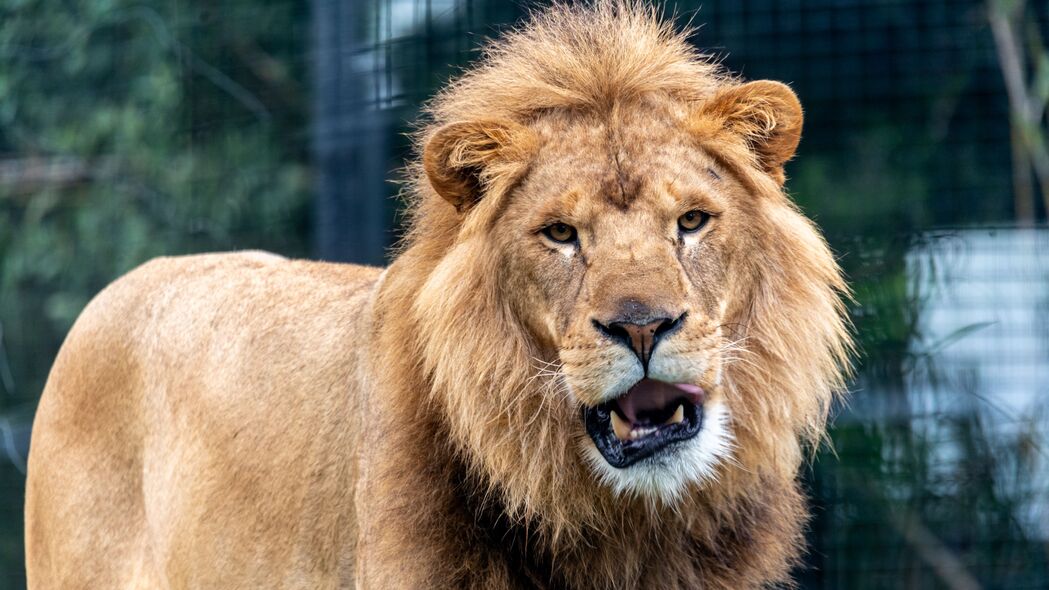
[155,130]
[927,504]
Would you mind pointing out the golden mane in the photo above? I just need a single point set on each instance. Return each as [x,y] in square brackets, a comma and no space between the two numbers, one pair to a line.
[502,400]
[589,57]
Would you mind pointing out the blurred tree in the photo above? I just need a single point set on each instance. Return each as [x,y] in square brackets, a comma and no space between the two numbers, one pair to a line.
[129,131]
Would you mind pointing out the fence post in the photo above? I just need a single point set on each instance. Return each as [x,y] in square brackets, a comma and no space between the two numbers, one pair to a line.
[350,137]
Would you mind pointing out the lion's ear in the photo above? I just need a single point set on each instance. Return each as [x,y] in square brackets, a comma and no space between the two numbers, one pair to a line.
[766,114]
[464,160]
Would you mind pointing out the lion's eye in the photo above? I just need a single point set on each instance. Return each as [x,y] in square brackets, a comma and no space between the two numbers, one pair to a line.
[561,233]
[692,221]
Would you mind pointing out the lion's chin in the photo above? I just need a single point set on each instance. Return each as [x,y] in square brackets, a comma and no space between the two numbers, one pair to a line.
[645,421]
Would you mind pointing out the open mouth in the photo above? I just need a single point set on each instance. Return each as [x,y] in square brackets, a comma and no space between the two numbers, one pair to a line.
[650,416]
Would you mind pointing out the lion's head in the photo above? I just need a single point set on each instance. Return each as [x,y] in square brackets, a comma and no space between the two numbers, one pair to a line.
[620,306]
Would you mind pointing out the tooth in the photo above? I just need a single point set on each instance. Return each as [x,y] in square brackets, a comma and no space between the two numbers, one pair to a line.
[620,427]
[641,432]
[679,415]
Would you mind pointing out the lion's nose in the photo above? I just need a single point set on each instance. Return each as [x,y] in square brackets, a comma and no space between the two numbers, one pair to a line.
[642,338]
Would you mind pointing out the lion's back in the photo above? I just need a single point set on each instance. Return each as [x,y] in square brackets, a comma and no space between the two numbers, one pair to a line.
[199,406]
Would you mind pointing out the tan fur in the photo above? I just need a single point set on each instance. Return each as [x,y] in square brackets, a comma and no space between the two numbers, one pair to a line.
[240,421]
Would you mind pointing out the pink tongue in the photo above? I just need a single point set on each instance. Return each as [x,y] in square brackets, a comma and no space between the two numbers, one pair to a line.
[649,395]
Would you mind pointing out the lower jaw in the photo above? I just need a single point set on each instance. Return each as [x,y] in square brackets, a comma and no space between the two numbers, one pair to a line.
[622,454]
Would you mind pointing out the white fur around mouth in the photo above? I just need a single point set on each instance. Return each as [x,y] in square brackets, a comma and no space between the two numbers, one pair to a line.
[667,476]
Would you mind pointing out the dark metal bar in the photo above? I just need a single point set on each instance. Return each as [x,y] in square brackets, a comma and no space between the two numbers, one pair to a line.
[350,137]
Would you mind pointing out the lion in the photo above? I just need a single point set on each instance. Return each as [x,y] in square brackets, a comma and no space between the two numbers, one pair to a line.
[602,353]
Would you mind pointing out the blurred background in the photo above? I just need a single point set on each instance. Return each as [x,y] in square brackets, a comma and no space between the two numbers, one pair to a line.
[135,128]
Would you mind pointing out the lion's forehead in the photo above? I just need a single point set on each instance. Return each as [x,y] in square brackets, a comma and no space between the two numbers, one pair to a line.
[598,163]
[596,139]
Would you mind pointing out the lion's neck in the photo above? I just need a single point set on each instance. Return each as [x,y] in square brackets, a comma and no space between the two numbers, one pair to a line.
[685,547]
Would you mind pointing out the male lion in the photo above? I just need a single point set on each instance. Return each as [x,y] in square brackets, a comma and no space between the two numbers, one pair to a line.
[596,362]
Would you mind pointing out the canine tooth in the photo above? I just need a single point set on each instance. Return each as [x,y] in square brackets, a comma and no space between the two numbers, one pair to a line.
[620,427]
[679,415]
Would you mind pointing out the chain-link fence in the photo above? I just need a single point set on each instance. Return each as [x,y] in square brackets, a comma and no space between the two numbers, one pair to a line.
[128,130]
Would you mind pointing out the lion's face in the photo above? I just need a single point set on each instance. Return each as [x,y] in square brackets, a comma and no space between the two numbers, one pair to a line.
[623,249]
[629,246]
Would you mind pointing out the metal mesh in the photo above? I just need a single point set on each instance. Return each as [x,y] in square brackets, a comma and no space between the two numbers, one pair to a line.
[129,130]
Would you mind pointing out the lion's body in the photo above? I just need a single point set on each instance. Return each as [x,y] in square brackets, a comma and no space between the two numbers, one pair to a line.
[243,421]
[185,440]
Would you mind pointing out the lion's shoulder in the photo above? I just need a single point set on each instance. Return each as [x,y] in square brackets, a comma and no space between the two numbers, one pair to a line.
[238,282]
